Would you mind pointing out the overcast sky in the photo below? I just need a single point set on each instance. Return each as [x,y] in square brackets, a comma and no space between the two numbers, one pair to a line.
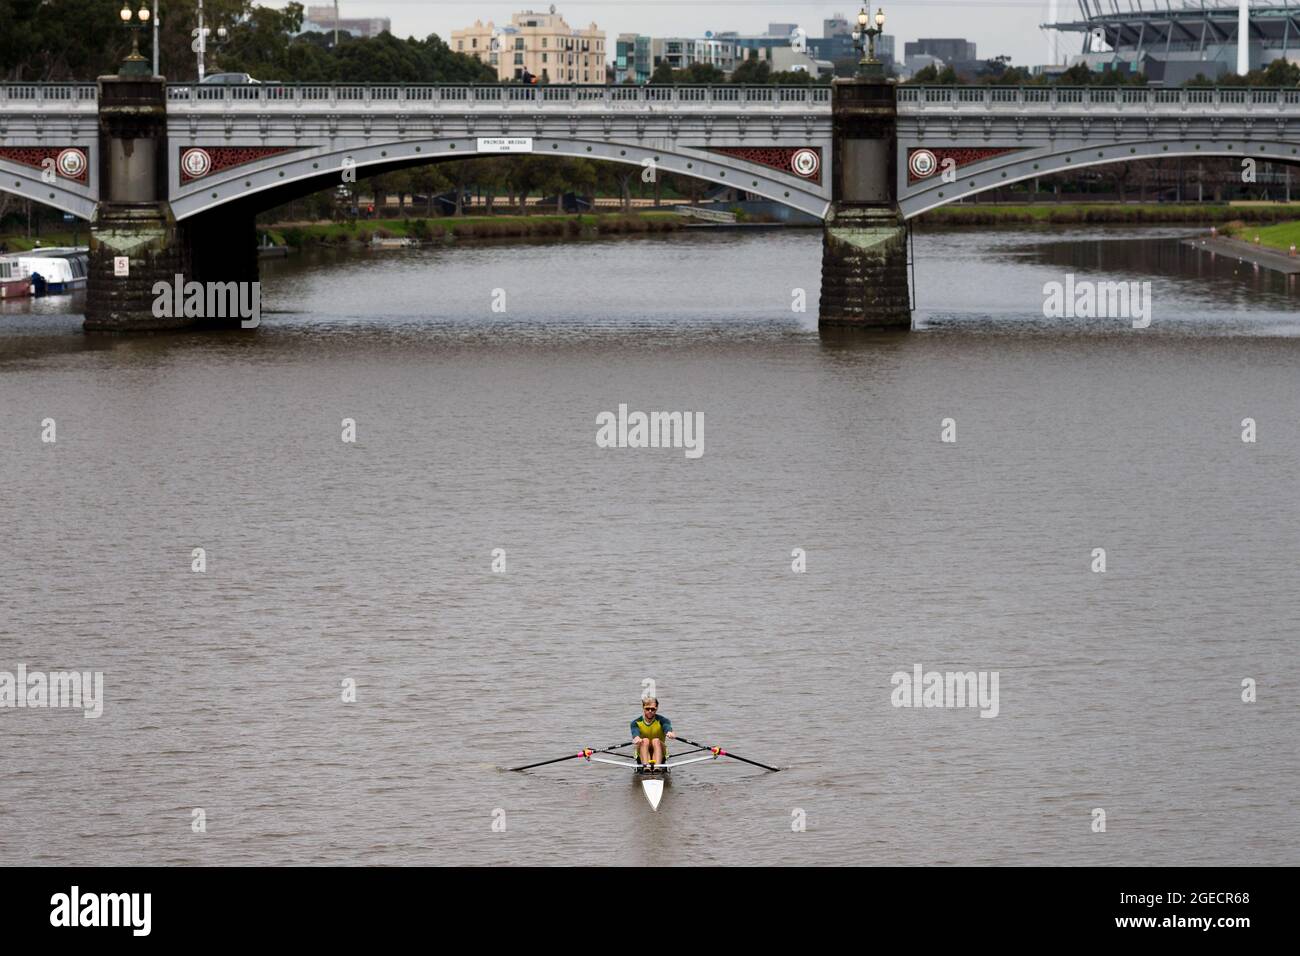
[998,26]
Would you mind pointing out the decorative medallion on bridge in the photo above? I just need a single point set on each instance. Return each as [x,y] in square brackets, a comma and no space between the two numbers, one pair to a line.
[67,161]
[199,161]
[924,163]
[71,163]
[195,164]
[804,161]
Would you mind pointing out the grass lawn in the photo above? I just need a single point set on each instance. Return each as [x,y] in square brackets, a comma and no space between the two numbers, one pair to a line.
[1280,236]
[22,244]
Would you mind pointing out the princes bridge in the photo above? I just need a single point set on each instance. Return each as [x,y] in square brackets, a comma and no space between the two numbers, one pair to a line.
[171,176]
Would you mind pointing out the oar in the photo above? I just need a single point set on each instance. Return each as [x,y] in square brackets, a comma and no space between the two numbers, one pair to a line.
[585,752]
[723,753]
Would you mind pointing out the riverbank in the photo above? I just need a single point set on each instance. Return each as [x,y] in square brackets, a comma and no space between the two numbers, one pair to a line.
[1282,236]
[1258,255]
[1100,213]
[48,240]
[454,228]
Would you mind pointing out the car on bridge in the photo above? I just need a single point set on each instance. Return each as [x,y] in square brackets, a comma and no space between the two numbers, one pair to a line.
[229,79]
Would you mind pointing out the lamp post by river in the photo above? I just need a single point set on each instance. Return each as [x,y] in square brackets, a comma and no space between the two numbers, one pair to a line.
[865,36]
[135,64]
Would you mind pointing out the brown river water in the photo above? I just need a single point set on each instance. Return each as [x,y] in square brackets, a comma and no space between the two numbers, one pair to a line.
[372,562]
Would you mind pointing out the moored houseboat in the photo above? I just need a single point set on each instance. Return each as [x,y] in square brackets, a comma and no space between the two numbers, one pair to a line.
[56,271]
[15,281]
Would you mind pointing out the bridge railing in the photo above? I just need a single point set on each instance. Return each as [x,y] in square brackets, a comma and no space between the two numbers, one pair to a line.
[500,96]
[1233,98]
[49,94]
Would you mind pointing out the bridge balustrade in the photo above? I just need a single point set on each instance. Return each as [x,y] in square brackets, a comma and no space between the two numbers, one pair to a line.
[1001,98]
[74,94]
[495,95]
[1228,98]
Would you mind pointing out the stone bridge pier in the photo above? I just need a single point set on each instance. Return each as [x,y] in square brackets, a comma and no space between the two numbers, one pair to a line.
[133,221]
[864,239]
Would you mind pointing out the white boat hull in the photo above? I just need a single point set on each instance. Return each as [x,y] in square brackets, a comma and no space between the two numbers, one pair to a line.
[652,780]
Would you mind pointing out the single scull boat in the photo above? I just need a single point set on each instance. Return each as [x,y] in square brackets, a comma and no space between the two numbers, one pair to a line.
[652,777]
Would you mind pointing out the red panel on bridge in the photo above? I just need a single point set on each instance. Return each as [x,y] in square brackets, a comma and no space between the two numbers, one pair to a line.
[924,162]
[67,162]
[802,161]
[195,162]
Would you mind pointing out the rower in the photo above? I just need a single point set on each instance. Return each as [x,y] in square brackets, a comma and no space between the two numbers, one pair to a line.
[651,733]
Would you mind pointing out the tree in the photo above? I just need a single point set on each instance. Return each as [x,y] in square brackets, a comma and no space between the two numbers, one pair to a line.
[700,73]
[492,174]
[1278,73]
[51,41]
[63,40]
[663,74]
[753,71]
[792,78]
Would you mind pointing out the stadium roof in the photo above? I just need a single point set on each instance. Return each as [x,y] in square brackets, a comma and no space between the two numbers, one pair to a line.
[1189,24]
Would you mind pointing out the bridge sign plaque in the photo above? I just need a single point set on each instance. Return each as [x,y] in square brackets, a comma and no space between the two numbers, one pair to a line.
[505,144]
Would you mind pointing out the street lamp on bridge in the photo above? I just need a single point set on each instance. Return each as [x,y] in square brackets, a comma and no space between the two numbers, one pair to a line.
[865,37]
[135,64]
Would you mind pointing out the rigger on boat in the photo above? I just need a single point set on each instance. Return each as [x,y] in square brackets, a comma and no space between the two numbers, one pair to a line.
[651,765]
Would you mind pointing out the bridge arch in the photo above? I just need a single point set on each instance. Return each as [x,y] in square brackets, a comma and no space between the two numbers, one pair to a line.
[270,176]
[1013,164]
[26,182]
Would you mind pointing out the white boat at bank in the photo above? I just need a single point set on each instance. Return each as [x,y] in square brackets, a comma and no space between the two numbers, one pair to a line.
[56,271]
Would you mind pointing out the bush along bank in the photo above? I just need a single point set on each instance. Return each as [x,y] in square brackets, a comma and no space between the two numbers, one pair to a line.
[469,228]
[1118,213]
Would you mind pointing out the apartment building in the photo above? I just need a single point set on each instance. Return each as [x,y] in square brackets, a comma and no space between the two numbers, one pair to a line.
[542,45]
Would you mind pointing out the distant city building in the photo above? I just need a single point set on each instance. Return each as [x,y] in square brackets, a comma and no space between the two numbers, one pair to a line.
[837,25]
[321,20]
[541,44]
[1172,42]
[633,58]
[781,29]
[834,48]
[744,43]
[1048,69]
[784,59]
[919,61]
[681,52]
[947,50]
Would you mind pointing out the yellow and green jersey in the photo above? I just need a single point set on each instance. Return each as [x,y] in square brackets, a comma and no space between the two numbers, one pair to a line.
[656,729]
